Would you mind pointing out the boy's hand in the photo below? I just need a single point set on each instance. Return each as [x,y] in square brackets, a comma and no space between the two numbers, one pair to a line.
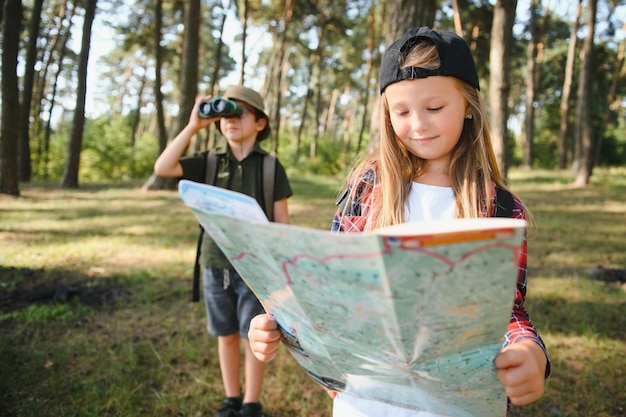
[195,120]
[521,369]
[264,337]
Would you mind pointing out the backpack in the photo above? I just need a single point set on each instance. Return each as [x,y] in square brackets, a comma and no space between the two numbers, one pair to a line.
[210,172]
[504,203]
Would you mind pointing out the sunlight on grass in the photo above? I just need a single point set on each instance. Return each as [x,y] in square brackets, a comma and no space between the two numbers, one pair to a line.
[144,350]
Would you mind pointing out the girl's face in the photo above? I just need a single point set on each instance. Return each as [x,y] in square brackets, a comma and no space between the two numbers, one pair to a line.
[243,128]
[427,115]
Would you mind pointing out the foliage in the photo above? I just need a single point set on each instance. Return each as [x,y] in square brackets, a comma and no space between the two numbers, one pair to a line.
[131,344]
[326,48]
[108,153]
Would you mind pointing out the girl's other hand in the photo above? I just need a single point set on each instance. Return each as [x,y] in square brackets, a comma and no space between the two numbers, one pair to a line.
[521,369]
[264,337]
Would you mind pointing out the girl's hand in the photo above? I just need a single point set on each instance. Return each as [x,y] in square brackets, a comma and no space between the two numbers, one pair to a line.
[264,337]
[521,369]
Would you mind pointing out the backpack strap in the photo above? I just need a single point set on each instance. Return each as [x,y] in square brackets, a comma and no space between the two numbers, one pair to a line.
[269,173]
[504,203]
[210,170]
[210,174]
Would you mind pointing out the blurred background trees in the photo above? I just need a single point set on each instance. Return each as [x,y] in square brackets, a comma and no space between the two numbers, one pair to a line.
[552,76]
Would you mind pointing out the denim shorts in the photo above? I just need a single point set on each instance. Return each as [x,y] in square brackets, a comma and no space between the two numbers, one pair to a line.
[229,303]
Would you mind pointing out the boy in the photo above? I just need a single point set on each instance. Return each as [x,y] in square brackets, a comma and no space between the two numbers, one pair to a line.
[229,303]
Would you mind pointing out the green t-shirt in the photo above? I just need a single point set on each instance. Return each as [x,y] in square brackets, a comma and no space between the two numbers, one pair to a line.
[244,176]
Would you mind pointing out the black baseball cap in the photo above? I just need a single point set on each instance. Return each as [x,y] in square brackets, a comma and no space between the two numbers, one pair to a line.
[454,54]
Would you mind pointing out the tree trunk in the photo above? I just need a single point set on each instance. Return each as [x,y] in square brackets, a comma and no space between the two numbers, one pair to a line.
[531,86]
[371,49]
[458,27]
[209,143]
[12,17]
[189,83]
[400,16]
[244,38]
[45,151]
[189,67]
[318,58]
[567,90]
[27,94]
[583,113]
[305,107]
[612,101]
[138,106]
[52,40]
[499,63]
[282,64]
[72,161]
[158,82]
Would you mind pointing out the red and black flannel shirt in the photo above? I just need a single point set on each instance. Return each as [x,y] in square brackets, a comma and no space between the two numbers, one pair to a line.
[353,218]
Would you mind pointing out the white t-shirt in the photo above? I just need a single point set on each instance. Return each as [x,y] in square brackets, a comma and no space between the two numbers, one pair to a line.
[429,202]
[424,203]
[346,405]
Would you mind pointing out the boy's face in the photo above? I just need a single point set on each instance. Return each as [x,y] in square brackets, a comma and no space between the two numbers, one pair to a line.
[242,129]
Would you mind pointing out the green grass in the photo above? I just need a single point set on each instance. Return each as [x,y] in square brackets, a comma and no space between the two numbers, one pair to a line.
[96,320]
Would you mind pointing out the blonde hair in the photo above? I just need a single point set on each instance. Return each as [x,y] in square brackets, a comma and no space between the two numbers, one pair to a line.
[473,165]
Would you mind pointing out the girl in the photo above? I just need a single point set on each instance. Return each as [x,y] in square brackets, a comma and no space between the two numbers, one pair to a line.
[435,162]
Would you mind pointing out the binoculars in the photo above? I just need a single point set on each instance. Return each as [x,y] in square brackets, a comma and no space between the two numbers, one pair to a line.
[219,107]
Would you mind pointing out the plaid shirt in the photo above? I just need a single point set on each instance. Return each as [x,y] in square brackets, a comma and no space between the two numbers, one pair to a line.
[353,218]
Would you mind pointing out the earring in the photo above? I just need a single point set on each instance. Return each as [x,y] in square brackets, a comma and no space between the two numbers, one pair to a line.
[469,116]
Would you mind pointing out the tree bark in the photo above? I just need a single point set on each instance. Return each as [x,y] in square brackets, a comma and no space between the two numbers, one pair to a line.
[45,151]
[563,147]
[12,17]
[499,62]
[72,161]
[189,83]
[280,63]
[400,16]
[612,100]
[583,113]
[371,34]
[27,93]
[189,68]
[244,38]
[533,70]
[158,82]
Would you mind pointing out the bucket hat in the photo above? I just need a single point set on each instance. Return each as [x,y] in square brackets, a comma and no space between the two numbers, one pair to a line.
[254,99]
[454,54]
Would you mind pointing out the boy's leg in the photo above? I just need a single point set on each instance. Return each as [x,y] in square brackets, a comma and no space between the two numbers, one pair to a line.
[248,306]
[220,302]
[254,371]
[230,363]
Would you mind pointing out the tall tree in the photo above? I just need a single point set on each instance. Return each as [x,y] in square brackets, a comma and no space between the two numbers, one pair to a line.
[158,68]
[27,93]
[188,82]
[189,68]
[584,131]
[567,89]
[371,32]
[400,16]
[613,101]
[499,62]
[279,66]
[11,18]
[531,85]
[243,16]
[75,144]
